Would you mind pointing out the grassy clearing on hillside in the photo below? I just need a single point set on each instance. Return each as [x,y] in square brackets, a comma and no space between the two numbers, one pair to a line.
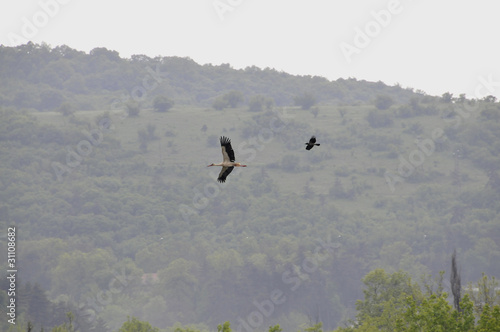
[187,136]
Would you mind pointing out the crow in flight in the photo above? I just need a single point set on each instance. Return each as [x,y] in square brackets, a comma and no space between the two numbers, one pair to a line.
[312,143]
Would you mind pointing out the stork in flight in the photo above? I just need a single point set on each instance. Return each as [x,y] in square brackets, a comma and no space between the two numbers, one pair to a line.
[312,143]
[227,163]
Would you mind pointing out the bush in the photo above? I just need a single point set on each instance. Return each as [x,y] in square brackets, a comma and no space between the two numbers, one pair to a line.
[162,104]
[257,103]
[305,100]
[378,120]
[383,102]
[219,104]
[133,109]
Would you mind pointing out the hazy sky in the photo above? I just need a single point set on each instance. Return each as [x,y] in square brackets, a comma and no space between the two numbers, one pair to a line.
[434,46]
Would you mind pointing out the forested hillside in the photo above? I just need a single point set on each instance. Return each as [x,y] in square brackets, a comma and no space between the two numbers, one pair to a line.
[44,78]
[103,173]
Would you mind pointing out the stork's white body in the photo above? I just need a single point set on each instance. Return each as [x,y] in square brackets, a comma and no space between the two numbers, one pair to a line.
[228,163]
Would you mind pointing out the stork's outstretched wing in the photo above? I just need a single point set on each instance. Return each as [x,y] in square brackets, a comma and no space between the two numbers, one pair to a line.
[224,173]
[227,150]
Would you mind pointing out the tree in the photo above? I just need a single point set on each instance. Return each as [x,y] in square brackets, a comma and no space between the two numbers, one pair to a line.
[447,97]
[64,327]
[484,293]
[219,104]
[39,306]
[490,99]
[410,313]
[135,325]
[385,295]
[434,313]
[233,98]
[489,320]
[275,328]
[162,104]
[378,120]
[383,102]
[224,327]
[258,103]
[461,98]
[305,100]
[133,109]
[455,281]
[65,109]
[50,99]
[315,328]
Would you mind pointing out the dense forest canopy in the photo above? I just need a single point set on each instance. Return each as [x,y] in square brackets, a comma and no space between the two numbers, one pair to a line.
[103,173]
[44,78]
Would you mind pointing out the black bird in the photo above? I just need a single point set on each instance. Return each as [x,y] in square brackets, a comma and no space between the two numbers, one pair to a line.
[312,143]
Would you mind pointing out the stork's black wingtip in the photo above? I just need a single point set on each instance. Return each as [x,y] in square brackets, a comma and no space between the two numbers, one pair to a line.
[224,140]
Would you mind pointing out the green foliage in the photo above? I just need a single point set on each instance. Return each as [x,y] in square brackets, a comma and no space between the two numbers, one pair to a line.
[435,313]
[305,100]
[259,103]
[42,77]
[233,98]
[383,102]
[385,293]
[489,320]
[162,104]
[376,119]
[66,327]
[390,309]
[66,109]
[491,113]
[219,104]
[275,328]
[485,292]
[151,233]
[133,109]
[447,97]
[134,325]
[315,328]
[224,327]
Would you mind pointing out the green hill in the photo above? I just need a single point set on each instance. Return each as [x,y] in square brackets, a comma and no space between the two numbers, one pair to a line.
[118,215]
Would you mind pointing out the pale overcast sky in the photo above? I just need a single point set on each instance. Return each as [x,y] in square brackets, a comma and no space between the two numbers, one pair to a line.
[435,46]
